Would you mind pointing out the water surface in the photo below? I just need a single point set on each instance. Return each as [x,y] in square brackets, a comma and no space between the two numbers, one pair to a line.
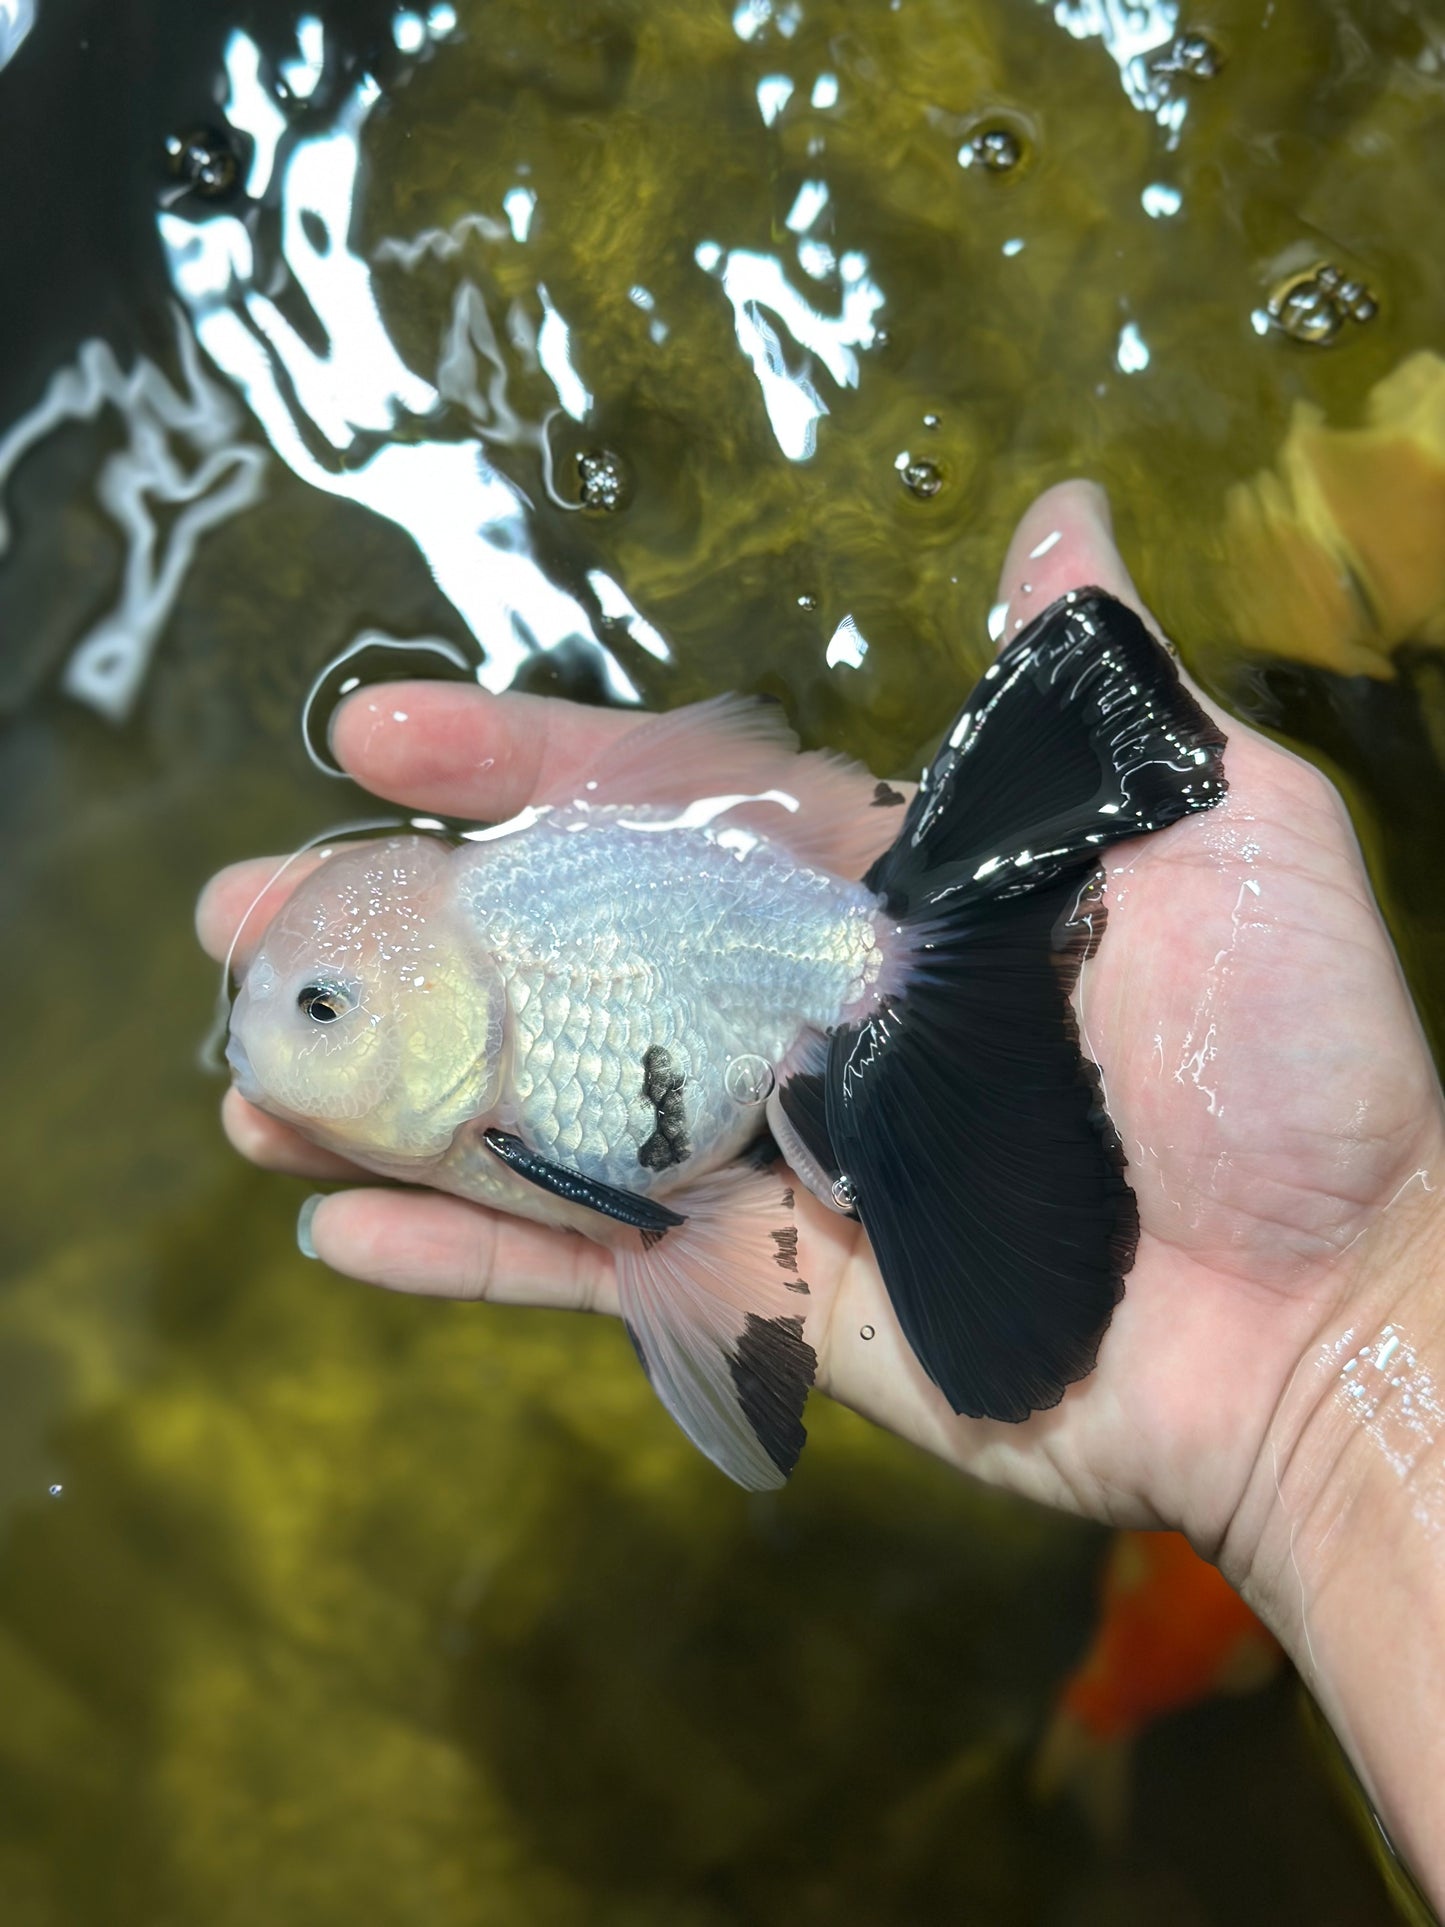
[638,351]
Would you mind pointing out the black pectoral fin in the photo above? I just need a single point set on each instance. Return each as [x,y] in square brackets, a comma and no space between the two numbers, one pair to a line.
[1080,734]
[718,1313]
[625,1206]
[987,1175]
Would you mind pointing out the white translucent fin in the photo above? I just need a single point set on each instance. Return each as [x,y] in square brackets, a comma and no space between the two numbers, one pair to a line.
[718,1313]
[821,806]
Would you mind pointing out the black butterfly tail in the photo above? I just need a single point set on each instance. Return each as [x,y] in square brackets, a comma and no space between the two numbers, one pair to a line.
[972,1129]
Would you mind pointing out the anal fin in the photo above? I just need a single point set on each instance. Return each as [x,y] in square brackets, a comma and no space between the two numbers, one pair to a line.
[718,1313]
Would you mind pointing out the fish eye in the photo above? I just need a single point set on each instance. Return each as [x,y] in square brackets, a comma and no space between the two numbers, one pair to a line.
[323,1003]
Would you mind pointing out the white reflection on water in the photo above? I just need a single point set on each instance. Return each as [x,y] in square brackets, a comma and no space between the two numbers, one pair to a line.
[181,458]
[767,307]
[351,417]
[302,74]
[1132,31]
[17,17]
[554,351]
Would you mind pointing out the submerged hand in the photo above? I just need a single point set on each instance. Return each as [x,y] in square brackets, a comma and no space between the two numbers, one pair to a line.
[1261,1060]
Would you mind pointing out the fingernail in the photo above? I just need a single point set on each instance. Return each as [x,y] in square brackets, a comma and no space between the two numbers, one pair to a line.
[304,1242]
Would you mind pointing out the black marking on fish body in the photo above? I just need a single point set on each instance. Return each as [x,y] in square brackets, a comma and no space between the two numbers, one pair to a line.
[885,797]
[662,1086]
[773,1370]
[653,1220]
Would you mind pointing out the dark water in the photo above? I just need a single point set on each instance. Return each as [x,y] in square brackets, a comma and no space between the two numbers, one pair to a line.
[638,350]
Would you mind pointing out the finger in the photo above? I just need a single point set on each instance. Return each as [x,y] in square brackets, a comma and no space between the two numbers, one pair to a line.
[1065,540]
[239,902]
[441,1247]
[459,751]
[276,1147]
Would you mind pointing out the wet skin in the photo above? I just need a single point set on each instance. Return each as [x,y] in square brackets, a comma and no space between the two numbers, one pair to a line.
[1261,1059]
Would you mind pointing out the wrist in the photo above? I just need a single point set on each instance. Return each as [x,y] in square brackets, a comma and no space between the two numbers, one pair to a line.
[1339,1543]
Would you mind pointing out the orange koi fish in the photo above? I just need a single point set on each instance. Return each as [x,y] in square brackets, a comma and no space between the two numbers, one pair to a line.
[1172,1632]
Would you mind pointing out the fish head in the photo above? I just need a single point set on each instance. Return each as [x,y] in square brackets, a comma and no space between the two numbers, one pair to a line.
[366,1018]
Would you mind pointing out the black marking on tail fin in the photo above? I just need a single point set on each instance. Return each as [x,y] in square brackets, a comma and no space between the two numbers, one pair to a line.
[987,1173]
[1079,735]
[625,1206]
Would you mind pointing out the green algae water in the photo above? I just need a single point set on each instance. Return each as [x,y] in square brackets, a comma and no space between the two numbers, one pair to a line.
[638,350]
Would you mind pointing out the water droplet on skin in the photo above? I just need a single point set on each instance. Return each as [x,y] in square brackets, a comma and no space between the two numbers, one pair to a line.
[866,1332]
[998,150]
[602,482]
[203,158]
[921,478]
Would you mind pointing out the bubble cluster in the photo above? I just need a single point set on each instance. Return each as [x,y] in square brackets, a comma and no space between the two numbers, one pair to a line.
[998,150]
[602,484]
[1314,306]
[203,159]
[1194,55]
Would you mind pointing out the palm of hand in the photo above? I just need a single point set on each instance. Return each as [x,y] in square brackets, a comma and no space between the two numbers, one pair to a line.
[1261,1061]
[1265,1071]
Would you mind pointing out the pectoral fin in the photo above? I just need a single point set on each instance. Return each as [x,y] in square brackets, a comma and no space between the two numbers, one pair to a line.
[718,1314]
[608,1199]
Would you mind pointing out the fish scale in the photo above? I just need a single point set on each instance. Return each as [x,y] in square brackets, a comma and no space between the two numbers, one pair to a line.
[653,944]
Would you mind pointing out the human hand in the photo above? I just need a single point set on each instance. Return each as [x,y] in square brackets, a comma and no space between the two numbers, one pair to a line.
[1261,1061]
[1260,1057]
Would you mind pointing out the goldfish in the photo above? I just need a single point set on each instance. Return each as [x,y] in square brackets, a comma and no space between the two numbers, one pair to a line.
[617,1011]
[1171,1633]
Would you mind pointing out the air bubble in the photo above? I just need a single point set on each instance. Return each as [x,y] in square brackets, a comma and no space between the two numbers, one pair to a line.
[749,1079]
[920,478]
[1314,306]
[203,159]
[845,1194]
[602,481]
[866,1332]
[1194,55]
[998,150]
[807,602]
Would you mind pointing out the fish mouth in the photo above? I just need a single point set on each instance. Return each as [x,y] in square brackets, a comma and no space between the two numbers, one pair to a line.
[242,1076]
